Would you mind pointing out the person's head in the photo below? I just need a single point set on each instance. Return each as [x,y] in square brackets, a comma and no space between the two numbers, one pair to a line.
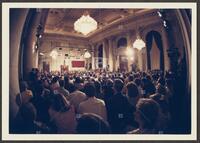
[45,83]
[77,80]
[54,80]
[89,89]
[39,87]
[161,81]
[90,123]
[155,77]
[66,79]
[137,81]
[118,85]
[28,112]
[97,86]
[109,83]
[159,98]
[130,78]
[147,113]
[149,87]
[62,83]
[23,86]
[132,89]
[71,87]
[107,89]
[144,82]
[160,89]
[148,77]
[60,104]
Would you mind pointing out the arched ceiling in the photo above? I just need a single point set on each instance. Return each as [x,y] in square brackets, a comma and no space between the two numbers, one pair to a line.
[61,21]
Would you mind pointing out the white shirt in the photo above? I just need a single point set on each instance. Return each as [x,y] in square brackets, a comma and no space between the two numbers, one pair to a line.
[76,97]
[64,92]
[65,121]
[93,105]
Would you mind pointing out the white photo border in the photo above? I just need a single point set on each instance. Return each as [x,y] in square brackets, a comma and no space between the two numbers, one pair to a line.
[5,72]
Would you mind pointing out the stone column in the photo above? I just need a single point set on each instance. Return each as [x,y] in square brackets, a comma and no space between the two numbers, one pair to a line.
[105,53]
[129,46]
[110,56]
[93,56]
[96,57]
[30,50]
[114,53]
[172,51]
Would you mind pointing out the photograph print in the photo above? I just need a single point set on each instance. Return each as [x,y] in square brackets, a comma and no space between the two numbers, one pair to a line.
[110,70]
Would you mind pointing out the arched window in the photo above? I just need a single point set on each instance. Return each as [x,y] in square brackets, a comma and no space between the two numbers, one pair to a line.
[122,42]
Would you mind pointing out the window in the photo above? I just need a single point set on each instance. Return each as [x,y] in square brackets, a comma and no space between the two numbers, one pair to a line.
[122,42]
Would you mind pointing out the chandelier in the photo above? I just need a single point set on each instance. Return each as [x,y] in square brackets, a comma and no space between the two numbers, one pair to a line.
[54,54]
[139,43]
[85,24]
[87,55]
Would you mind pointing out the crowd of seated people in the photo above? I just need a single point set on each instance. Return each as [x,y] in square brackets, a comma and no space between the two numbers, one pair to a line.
[94,103]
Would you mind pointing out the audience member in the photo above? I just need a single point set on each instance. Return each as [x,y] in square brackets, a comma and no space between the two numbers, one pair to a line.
[147,115]
[92,124]
[62,115]
[133,102]
[92,104]
[132,93]
[28,123]
[62,90]
[76,97]
[25,95]
[119,109]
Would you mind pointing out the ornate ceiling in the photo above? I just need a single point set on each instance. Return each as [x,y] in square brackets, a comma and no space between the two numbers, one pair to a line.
[61,21]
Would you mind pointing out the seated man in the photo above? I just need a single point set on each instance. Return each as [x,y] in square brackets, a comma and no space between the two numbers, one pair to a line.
[92,104]
[62,90]
[120,112]
[76,96]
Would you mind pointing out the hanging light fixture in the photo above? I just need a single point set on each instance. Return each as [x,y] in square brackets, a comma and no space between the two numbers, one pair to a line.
[87,55]
[54,54]
[138,43]
[85,24]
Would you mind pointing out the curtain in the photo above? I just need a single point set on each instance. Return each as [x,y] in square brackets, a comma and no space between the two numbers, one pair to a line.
[158,41]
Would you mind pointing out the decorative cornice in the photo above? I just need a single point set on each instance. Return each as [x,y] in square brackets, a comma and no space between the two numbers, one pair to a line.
[129,26]
[70,39]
